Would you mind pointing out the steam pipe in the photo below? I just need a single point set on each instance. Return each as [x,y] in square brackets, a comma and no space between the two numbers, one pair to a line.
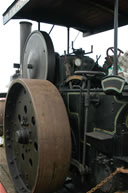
[25,30]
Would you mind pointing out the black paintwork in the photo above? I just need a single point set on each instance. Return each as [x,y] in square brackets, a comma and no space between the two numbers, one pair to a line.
[107,130]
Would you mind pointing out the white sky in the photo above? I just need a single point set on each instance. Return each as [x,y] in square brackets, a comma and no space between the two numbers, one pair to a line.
[10,48]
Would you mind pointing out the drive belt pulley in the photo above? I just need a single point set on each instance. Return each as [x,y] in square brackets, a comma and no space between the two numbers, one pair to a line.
[37,136]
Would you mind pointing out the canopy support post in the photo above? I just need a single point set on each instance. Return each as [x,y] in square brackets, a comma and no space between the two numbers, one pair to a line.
[68,40]
[38,26]
[115,67]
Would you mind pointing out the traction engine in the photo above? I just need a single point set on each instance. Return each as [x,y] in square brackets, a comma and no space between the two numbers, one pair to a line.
[66,121]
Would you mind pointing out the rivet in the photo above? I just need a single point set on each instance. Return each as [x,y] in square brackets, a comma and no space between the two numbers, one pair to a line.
[11,162]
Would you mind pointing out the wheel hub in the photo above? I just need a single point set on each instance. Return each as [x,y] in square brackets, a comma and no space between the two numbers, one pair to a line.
[22,136]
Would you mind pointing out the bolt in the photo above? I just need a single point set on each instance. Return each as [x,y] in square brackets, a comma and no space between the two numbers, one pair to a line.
[7,131]
[7,116]
[8,138]
[8,145]
[16,177]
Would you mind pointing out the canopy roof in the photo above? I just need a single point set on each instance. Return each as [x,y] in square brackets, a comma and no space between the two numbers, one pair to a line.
[89,16]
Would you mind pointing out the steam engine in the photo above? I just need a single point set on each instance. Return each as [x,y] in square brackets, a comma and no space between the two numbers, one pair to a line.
[53,148]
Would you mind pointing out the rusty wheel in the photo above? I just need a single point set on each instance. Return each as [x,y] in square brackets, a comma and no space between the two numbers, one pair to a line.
[37,136]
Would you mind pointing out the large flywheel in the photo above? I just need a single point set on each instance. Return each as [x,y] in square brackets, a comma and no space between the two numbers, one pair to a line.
[37,136]
[39,57]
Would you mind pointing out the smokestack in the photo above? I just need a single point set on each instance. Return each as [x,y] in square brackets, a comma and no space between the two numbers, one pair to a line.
[25,30]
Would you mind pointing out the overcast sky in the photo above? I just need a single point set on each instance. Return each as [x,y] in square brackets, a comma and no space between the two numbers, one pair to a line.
[10,48]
